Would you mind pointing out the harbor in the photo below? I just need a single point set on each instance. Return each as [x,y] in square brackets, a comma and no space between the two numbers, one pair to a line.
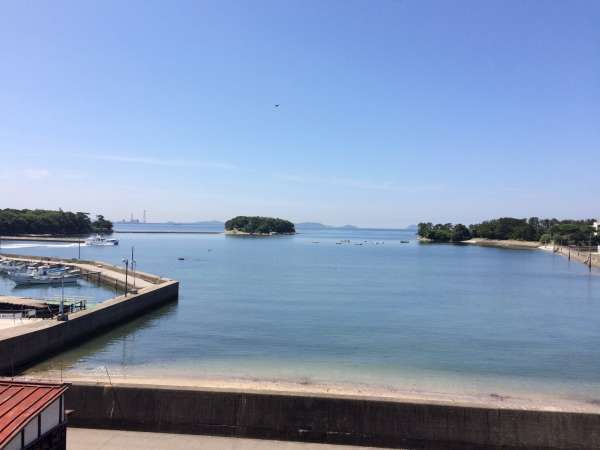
[33,339]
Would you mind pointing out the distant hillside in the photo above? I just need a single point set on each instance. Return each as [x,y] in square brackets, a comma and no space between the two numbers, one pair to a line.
[320,226]
[312,226]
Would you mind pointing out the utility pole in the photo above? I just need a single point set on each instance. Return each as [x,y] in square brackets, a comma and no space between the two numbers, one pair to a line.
[126,261]
[133,264]
[61,308]
[590,251]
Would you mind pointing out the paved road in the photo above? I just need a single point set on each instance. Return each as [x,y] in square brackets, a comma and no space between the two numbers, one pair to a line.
[90,439]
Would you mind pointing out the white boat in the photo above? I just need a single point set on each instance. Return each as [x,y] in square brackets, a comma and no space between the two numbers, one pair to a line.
[8,265]
[21,280]
[101,241]
[44,275]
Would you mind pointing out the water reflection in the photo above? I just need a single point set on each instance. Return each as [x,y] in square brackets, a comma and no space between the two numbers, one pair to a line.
[120,340]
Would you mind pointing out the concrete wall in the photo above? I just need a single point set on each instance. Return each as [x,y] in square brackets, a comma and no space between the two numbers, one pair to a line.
[22,346]
[340,420]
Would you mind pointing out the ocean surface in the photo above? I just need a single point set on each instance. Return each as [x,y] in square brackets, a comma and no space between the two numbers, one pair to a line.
[374,311]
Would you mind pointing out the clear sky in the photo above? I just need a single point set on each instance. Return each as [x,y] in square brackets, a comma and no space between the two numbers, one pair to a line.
[391,112]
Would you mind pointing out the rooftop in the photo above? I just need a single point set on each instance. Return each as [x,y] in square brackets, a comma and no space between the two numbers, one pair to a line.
[22,401]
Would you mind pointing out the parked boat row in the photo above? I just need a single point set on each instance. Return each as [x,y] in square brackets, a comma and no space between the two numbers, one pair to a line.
[30,274]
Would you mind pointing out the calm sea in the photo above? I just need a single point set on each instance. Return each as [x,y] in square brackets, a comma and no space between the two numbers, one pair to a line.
[432,317]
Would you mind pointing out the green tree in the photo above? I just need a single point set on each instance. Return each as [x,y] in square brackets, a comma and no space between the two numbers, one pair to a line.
[460,233]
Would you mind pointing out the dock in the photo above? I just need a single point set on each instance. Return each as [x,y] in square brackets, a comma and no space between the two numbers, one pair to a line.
[24,345]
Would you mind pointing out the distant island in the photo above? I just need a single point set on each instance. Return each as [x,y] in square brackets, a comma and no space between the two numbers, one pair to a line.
[542,231]
[258,226]
[56,223]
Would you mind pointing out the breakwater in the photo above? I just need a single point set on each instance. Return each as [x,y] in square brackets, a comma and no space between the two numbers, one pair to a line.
[327,419]
[24,345]
[166,232]
[64,240]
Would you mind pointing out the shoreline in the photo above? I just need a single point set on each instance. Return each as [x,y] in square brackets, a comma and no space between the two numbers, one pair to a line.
[244,233]
[534,402]
[507,243]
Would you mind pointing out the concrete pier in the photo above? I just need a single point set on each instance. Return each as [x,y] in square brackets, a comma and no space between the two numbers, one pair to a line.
[26,344]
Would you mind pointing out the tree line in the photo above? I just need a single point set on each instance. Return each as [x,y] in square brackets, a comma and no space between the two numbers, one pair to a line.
[574,232]
[42,221]
[259,225]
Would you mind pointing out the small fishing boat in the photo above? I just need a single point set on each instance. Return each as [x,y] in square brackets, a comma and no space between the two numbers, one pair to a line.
[100,241]
[44,275]
[45,279]
[8,265]
[404,242]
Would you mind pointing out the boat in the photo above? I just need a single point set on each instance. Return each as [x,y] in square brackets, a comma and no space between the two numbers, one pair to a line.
[44,275]
[100,241]
[8,265]
[22,280]
[404,242]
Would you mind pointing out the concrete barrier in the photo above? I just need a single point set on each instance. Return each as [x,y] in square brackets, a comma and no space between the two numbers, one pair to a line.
[27,344]
[327,419]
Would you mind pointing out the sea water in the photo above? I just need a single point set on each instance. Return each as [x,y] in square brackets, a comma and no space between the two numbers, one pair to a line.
[372,311]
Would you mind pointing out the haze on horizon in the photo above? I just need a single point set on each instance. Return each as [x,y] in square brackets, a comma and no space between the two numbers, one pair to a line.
[391,112]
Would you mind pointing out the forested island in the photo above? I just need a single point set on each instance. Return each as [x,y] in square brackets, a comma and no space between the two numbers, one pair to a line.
[40,221]
[259,226]
[573,232]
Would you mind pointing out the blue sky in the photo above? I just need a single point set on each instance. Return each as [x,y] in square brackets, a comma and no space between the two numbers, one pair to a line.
[392,112]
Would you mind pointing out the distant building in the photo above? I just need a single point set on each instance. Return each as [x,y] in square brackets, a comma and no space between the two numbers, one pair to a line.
[32,416]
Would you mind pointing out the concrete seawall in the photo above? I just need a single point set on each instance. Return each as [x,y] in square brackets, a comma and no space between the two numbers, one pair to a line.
[328,419]
[24,345]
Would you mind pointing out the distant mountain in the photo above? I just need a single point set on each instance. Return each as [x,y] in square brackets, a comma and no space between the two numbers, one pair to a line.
[412,227]
[312,226]
[210,223]
[320,226]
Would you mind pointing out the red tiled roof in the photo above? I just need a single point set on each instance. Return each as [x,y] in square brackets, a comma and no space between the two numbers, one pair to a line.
[21,401]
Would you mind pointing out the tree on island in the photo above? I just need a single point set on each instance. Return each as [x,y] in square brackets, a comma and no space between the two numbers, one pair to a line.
[444,232]
[576,232]
[101,225]
[259,225]
[41,221]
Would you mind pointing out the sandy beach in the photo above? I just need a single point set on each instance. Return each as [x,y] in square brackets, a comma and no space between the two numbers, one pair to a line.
[367,391]
[508,243]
